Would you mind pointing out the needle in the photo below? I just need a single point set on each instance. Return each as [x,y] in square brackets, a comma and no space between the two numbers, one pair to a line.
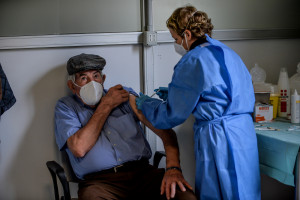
[155,93]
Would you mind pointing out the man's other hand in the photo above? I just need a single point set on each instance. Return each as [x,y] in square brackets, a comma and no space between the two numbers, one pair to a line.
[115,96]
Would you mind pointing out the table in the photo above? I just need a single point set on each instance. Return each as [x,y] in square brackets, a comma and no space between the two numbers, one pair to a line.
[278,152]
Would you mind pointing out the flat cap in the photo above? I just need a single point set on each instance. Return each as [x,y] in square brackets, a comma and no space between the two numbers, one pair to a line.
[85,62]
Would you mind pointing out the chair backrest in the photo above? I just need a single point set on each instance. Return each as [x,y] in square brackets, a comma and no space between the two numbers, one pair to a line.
[65,175]
[71,177]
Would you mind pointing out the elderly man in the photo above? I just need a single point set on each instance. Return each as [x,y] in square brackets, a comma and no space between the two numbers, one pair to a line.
[105,141]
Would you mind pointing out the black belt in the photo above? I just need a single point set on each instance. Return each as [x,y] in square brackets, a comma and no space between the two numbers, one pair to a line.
[127,166]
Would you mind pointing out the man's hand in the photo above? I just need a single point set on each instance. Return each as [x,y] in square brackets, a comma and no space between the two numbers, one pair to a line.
[115,96]
[171,179]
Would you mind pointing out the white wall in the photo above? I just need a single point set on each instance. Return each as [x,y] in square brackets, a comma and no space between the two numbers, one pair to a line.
[32,17]
[235,14]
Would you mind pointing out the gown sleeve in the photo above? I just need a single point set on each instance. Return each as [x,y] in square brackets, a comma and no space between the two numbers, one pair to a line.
[183,95]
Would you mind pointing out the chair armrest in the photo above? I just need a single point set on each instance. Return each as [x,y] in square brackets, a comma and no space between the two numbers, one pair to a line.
[56,170]
[157,157]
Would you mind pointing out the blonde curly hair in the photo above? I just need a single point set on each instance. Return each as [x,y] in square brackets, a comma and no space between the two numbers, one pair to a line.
[188,18]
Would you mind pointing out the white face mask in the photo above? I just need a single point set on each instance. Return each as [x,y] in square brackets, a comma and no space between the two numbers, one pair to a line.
[179,47]
[91,93]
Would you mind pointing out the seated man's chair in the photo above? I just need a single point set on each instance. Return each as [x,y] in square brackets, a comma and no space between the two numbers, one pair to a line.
[66,174]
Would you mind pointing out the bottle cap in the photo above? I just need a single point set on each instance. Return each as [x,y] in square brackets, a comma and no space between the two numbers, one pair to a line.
[295,93]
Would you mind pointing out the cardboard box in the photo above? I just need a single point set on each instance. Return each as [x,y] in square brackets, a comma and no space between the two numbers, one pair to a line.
[262,97]
[263,112]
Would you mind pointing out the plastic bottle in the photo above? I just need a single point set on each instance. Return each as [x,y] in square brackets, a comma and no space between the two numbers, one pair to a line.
[258,74]
[295,80]
[295,107]
[284,91]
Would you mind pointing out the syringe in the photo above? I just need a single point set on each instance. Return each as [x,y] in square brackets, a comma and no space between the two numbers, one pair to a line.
[155,93]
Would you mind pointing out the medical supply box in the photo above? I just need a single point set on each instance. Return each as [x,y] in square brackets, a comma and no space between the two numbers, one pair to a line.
[263,112]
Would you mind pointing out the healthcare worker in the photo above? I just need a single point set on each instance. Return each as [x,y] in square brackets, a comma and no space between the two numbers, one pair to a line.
[211,82]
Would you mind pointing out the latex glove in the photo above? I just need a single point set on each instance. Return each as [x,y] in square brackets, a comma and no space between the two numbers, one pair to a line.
[140,100]
[163,92]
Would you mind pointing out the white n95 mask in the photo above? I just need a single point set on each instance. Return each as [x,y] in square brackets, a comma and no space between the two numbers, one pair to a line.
[179,47]
[91,93]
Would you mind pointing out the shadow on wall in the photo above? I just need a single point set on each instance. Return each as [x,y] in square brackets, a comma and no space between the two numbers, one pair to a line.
[29,167]
[185,136]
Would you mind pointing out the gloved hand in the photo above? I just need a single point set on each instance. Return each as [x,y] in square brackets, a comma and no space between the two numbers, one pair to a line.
[140,100]
[163,92]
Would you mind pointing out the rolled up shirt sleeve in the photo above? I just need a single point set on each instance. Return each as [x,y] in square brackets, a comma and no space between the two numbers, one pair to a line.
[66,123]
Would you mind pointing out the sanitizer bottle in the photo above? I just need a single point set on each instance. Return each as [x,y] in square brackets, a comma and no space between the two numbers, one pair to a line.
[284,91]
[295,108]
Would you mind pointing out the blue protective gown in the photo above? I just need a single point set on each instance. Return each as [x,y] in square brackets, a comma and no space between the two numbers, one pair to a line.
[212,82]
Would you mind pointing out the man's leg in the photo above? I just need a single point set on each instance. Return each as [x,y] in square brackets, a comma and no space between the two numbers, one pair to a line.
[187,195]
[112,186]
[148,182]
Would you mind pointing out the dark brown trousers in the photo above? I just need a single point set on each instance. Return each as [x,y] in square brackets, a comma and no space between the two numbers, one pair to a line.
[139,183]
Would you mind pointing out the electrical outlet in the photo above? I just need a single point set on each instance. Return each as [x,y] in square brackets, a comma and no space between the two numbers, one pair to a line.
[150,38]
